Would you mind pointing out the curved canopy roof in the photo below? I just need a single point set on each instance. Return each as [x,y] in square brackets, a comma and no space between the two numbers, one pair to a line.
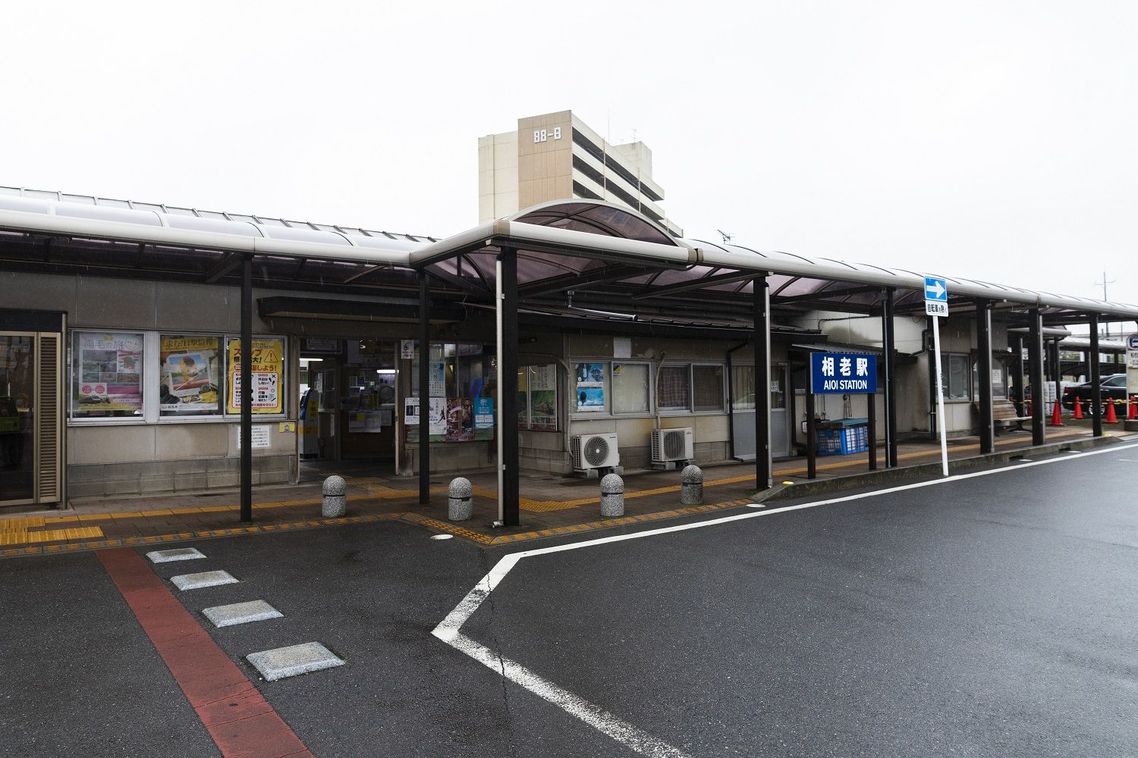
[600,252]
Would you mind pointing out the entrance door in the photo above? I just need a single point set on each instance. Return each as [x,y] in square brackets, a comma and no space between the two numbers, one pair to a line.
[743,412]
[30,406]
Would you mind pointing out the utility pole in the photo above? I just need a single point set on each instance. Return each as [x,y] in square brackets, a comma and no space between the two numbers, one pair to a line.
[1104,282]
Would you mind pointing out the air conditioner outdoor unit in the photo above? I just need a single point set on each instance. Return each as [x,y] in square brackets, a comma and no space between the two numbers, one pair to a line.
[672,445]
[594,451]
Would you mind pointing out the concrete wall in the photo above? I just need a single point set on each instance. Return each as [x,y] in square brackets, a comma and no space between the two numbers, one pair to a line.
[128,455]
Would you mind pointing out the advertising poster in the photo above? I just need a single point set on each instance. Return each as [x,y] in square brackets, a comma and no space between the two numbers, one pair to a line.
[109,376]
[437,419]
[460,420]
[268,375]
[483,415]
[590,389]
[543,397]
[190,375]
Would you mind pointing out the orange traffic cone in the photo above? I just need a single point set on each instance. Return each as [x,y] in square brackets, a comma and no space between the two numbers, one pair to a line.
[1056,414]
[1132,414]
[1078,409]
[1111,416]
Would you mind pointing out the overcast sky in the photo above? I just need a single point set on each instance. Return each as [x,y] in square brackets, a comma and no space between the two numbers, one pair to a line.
[995,140]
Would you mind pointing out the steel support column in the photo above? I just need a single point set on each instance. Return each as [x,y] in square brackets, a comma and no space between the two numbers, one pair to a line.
[1056,370]
[762,343]
[1021,380]
[247,389]
[424,389]
[1096,379]
[510,491]
[1035,358]
[890,376]
[811,437]
[984,351]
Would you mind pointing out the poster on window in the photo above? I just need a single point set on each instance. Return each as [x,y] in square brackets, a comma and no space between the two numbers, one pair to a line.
[109,376]
[190,374]
[436,421]
[268,375]
[590,389]
[543,396]
[460,420]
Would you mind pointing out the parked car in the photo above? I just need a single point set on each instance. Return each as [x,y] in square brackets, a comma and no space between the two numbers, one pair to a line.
[1112,387]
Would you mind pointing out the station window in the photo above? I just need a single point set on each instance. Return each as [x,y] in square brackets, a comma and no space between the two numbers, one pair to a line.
[107,374]
[691,388]
[673,390]
[537,398]
[461,389]
[707,388]
[956,376]
[630,388]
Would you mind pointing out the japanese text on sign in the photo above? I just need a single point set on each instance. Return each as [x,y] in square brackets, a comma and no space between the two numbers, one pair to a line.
[843,373]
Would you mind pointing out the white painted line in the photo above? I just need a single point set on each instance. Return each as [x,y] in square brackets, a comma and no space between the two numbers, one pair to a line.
[442,536]
[293,660]
[449,628]
[1023,460]
[241,613]
[204,579]
[176,554]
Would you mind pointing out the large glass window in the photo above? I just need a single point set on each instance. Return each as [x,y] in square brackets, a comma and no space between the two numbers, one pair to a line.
[460,393]
[673,390]
[707,388]
[591,387]
[956,380]
[537,398]
[189,375]
[106,374]
[630,388]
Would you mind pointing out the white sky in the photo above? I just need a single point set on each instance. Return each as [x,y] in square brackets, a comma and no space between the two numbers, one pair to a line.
[995,140]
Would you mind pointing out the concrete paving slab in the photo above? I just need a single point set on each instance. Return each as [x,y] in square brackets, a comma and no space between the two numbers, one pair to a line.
[204,579]
[241,613]
[176,554]
[283,662]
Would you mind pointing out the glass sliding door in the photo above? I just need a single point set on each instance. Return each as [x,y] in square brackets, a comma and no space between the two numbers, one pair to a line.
[17,418]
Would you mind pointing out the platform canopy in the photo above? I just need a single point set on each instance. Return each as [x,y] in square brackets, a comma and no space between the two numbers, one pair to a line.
[578,259]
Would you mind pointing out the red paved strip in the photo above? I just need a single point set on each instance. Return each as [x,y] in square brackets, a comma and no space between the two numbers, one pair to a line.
[238,718]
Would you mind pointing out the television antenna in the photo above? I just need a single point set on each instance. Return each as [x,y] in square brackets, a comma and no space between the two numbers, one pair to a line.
[726,237]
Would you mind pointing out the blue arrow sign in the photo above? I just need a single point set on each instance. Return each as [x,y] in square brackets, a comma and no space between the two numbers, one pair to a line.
[935,289]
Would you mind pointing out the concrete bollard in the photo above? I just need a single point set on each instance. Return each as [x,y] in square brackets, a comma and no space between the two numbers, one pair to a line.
[612,495]
[335,497]
[460,499]
[691,486]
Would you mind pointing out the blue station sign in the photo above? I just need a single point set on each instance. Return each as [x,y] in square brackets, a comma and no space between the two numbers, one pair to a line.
[843,373]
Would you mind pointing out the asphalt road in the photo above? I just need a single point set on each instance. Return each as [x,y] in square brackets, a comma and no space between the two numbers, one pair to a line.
[988,616]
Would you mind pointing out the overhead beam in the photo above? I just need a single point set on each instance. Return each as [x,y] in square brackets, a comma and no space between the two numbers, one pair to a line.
[825,295]
[570,281]
[227,265]
[695,284]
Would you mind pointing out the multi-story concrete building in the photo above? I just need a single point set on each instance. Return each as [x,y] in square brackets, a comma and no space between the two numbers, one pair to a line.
[556,156]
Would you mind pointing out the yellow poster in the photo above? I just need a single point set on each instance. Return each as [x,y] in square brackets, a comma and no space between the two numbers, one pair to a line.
[268,375]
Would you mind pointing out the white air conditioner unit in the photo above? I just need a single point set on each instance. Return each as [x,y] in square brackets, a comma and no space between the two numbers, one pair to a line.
[593,451]
[672,445]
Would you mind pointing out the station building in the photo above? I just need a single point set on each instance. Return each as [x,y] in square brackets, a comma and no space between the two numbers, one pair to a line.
[123,327]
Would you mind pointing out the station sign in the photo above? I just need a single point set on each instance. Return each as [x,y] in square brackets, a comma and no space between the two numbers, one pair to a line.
[936,297]
[843,373]
[1132,352]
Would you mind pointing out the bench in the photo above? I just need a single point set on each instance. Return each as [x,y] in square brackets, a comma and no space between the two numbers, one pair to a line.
[1004,415]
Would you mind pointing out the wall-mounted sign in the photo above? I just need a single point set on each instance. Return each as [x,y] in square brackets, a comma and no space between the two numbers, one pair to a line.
[843,373]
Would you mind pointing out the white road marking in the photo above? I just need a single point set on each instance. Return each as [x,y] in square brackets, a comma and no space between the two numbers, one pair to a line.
[626,734]
[442,536]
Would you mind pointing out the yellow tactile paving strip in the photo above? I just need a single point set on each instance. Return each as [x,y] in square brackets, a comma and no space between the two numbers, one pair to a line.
[18,531]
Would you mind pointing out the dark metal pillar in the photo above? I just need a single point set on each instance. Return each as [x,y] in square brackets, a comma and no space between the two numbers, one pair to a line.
[1096,378]
[424,389]
[889,374]
[1035,358]
[762,343]
[871,409]
[1056,370]
[508,392]
[811,438]
[984,351]
[1021,380]
[247,389]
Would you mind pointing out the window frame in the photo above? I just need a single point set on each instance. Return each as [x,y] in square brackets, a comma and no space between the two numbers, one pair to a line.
[647,412]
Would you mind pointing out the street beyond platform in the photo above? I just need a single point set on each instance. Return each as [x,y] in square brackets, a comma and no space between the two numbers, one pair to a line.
[550,505]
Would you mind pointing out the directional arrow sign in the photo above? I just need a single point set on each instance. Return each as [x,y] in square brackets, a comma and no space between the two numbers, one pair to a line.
[936,297]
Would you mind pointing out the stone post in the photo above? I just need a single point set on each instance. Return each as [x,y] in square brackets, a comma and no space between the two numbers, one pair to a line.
[335,497]
[460,499]
[691,486]
[612,495]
